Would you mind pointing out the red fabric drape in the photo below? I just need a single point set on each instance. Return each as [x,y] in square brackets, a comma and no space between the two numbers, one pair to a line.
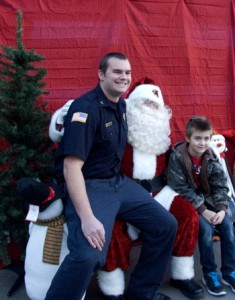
[186,47]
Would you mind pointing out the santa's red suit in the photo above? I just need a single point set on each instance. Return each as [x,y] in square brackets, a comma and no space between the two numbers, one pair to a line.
[145,161]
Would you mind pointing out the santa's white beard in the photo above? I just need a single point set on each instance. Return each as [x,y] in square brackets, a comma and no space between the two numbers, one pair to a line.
[148,128]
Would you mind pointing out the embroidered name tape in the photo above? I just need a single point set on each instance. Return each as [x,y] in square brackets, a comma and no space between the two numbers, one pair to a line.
[79,117]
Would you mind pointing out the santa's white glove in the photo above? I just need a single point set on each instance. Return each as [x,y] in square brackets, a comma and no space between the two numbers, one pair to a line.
[56,129]
[63,112]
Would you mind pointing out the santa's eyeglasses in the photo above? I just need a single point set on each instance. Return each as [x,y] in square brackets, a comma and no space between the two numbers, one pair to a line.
[151,103]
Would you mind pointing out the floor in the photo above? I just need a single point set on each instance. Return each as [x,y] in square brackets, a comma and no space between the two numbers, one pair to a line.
[7,278]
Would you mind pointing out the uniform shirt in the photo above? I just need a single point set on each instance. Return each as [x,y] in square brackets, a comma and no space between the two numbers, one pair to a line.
[96,132]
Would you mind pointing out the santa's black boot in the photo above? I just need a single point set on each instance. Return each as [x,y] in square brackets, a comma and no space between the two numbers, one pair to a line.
[182,272]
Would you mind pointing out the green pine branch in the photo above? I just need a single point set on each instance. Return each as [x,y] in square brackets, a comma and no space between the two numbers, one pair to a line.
[25,149]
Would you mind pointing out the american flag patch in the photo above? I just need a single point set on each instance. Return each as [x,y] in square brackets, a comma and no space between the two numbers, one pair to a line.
[79,117]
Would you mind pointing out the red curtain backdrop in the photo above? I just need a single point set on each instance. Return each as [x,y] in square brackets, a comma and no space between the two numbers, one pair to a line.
[186,46]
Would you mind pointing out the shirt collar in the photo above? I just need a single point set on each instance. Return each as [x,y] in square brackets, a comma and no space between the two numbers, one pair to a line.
[103,100]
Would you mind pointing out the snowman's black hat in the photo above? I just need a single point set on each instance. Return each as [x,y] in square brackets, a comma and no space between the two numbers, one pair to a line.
[38,193]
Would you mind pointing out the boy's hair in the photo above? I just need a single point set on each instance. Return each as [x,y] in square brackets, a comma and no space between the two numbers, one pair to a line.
[200,123]
[104,60]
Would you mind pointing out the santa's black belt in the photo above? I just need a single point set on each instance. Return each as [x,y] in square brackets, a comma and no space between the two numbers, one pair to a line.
[152,185]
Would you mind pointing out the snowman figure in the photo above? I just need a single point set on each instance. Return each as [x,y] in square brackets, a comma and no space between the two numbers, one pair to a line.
[47,244]
[218,144]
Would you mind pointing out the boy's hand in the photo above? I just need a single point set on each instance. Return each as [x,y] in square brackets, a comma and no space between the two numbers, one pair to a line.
[218,218]
[209,215]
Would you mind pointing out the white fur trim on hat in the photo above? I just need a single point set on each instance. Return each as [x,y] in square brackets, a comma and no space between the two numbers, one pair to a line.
[148,92]
[112,283]
[165,197]
[144,165]
[182,267]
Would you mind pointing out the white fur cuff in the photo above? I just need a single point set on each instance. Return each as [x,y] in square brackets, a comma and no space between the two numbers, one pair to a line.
[182,267]
[165,197]
[112,283]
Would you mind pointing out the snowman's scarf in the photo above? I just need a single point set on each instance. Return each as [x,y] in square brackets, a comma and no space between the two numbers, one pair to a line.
[52,244]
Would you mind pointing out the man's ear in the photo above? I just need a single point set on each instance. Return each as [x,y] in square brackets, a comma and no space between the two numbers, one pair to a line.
[100,75]
[187,139]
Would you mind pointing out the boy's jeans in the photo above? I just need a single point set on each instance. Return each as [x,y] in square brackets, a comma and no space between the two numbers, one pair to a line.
[227,243]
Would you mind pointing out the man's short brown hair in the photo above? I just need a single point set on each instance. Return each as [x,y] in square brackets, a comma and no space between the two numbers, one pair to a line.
[104,60]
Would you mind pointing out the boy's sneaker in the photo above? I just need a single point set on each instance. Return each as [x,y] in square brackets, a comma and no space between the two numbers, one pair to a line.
[213,283]
[229,280]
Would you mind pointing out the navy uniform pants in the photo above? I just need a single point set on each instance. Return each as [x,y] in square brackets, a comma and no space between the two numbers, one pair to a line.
[122,198]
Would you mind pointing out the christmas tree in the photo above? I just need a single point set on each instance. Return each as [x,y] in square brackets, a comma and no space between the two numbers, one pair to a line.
[25,149]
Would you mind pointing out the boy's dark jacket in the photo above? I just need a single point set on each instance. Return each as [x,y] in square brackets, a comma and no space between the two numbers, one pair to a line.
[213,183]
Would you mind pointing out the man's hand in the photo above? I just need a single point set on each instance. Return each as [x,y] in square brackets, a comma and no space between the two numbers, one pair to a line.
[94,232]
[218,218]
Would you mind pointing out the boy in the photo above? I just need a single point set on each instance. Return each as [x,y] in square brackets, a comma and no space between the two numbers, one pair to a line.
[196,174]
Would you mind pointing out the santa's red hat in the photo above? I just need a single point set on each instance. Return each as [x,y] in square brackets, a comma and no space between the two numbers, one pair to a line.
[143,80]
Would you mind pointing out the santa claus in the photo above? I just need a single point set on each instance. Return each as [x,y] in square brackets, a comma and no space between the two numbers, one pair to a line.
[145,161]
